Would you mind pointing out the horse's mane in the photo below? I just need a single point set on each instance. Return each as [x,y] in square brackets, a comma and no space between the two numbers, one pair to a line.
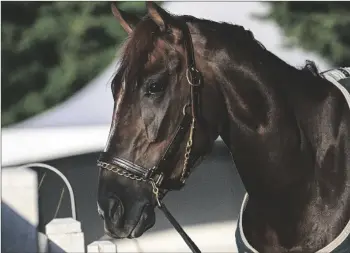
[311,67]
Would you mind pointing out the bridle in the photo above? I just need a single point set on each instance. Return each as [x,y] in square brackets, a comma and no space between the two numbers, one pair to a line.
[155,175]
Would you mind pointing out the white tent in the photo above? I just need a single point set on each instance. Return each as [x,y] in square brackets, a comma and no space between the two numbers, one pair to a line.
[85,117]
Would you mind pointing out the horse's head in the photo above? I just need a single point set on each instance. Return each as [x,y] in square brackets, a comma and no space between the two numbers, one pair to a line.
[165,120]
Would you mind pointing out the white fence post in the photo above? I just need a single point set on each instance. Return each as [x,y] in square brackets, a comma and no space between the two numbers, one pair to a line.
[19,210]
[66,234]
[102,247]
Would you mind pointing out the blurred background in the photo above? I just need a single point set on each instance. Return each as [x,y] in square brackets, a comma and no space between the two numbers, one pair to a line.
[56,105]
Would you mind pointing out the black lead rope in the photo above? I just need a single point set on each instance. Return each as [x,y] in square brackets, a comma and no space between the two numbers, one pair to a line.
[179,229]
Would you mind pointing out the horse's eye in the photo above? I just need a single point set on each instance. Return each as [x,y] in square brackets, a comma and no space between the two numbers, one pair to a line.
[155,87]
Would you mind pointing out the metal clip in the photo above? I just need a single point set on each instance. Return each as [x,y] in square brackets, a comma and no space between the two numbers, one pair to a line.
[156,192]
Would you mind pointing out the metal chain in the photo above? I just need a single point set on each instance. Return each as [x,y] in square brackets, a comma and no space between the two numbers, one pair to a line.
[188,150]
[126,174]
[119,171]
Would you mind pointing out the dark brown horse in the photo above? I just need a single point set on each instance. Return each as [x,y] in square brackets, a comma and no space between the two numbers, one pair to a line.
[182,82]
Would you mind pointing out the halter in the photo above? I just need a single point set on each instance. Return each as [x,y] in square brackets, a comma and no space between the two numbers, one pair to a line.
[155,175]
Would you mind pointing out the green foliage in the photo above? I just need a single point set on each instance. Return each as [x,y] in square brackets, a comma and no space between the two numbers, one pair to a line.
[321,27]
[52,49]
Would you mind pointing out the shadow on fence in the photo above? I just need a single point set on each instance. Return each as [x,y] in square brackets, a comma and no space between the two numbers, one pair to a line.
[19,235]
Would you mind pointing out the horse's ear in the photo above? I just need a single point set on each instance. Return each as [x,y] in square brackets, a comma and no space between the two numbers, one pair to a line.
[160,16]
[127,21]
[165,21]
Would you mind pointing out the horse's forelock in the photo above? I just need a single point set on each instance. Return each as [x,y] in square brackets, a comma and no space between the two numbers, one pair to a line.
[137,50]
[143,48]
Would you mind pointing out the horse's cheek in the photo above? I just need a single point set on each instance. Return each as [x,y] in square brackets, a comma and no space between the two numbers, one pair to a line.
[151,122]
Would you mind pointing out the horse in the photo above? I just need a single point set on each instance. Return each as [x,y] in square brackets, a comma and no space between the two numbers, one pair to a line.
[182,82]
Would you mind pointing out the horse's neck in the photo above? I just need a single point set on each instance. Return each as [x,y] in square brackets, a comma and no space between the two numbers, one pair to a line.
[278,154]
[263,134]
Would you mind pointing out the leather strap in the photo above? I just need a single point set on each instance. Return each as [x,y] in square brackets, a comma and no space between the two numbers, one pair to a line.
[193,75]
[179,229]
[125,164]
[174,145]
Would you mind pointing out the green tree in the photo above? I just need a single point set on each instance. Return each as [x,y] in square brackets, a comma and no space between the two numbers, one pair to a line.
[321,27]
[52,49]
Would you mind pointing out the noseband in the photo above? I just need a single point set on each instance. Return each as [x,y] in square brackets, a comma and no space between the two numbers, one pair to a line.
[155,175]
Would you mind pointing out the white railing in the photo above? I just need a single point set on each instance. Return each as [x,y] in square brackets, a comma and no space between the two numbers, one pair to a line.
[20,201]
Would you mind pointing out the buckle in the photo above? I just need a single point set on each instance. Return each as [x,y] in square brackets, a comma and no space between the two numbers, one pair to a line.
[193,78]
[158,179]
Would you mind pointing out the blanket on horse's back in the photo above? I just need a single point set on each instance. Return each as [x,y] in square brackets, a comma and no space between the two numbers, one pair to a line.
[340,77]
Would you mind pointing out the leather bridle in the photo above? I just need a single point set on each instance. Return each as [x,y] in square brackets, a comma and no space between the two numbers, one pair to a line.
[155,175]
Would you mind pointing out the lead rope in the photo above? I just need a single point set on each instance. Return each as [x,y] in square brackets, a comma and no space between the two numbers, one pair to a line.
[173,221]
